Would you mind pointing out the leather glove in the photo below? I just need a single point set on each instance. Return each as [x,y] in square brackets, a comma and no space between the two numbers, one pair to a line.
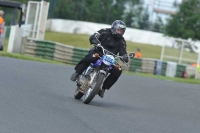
[125,58]
[94,41]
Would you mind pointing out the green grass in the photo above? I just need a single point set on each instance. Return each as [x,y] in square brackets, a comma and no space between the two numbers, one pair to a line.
[148,51]
[24,57]
[176,79]
[77,40]
[80,40]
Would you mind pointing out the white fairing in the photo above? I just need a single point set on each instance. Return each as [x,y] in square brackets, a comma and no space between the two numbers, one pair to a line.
[108,60]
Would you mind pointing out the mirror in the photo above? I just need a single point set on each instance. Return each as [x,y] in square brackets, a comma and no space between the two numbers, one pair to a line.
[132,54]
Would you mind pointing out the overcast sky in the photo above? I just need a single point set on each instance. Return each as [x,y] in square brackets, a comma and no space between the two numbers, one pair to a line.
[160,4]
[170,1]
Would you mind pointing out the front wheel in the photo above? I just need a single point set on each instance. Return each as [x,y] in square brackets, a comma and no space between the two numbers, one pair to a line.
[91,92]
[78,94]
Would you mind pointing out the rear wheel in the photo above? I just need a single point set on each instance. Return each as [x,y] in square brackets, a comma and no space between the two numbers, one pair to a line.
[91,92]
[78,94]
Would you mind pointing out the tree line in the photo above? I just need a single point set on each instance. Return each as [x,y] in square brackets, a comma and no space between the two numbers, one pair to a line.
[132,12]
[185,24]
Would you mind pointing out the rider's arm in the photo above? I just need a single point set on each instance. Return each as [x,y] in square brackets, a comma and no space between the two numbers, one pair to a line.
[122,50]
[99,35]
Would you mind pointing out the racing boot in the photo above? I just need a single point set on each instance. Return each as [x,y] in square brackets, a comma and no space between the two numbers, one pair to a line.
[101,93]
[74,76]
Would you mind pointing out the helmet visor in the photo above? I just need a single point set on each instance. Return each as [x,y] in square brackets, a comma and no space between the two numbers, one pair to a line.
[119,31]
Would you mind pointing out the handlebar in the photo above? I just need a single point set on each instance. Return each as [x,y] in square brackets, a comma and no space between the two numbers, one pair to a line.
[108,52]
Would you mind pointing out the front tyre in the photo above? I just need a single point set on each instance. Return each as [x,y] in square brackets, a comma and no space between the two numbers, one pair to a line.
[78,94]
[91,92]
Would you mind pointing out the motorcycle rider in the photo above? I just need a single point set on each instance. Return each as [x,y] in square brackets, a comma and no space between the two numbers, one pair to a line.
[112,40]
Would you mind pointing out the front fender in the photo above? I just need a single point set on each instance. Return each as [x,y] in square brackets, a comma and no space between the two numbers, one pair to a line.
[102,71]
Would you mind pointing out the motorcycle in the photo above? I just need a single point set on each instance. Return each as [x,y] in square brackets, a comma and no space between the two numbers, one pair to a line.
[90,82]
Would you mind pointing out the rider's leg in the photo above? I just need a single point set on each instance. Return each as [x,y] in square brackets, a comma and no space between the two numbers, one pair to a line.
[83,64]
[110,80]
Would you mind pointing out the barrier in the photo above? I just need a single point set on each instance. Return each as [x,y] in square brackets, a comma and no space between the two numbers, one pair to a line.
[180,70]
[54,51]
[164,68]
[72,55]
[171,69]
[8,28]
[67,54]
[191,71]
[148,65]
[135,65]
[158,67]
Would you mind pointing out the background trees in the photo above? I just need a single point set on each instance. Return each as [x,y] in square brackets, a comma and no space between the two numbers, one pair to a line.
[186,23]
[98,11]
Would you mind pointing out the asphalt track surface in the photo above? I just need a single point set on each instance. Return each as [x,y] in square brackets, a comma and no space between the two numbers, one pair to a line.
[38,98]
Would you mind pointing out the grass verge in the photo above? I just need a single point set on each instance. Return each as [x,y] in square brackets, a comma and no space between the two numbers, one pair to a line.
[175,79]
[4,53]
[24,57]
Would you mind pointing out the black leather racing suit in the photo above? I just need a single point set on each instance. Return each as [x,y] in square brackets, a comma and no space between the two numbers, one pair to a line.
[111,43]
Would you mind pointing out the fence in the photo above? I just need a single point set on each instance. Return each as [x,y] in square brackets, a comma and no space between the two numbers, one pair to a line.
[72,55]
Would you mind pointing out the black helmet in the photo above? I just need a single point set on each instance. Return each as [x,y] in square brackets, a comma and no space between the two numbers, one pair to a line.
[118,28]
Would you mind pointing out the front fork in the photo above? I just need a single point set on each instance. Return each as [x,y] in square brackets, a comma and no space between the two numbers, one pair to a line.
[100,69]
[94,76]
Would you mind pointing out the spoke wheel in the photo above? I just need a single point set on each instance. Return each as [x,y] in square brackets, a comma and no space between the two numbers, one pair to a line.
[94,89]
[78,94]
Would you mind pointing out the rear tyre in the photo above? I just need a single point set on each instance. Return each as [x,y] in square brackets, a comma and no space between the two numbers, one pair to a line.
[91,92]
[78,94]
